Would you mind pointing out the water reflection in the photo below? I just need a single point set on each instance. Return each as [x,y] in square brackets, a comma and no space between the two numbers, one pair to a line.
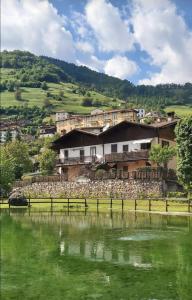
[135,256]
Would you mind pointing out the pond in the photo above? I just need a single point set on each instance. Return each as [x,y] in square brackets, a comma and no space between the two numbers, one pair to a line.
[78,255]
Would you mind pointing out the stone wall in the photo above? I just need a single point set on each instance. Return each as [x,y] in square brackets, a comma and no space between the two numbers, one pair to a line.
[109,188]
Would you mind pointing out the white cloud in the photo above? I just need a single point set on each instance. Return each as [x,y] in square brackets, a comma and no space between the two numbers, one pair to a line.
[91,62]
[121,67]
[163,34]
[111,31]
[85,47]
[35,26]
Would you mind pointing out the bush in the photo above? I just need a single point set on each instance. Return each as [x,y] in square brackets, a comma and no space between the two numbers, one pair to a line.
[100,174]
[176,194]
[87,102]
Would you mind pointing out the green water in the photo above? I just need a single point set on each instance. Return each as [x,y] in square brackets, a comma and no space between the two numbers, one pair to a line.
[105,256]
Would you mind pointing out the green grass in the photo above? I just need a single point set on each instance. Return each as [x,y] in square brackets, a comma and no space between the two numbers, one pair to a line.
[180,110]
[71,102]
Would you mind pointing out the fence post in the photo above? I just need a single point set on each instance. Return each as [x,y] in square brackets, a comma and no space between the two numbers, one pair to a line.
[189,205]
[51,203]
[68,203]
[122,203]
[97,204]
[166,202]
[29,205]
[111,203]
[135,204]
[85,203]
[149,204]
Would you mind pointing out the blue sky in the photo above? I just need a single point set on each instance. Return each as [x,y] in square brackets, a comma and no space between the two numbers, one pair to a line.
[144,41]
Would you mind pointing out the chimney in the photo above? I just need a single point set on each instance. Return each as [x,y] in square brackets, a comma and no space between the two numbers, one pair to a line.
[170,116]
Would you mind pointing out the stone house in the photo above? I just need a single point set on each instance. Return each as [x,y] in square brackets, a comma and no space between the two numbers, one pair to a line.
[14,130]
[124,147]
[97,118]
[47,131]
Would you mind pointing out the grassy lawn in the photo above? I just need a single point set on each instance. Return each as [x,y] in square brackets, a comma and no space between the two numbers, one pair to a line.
[180,110]
[71,102]
[105,205]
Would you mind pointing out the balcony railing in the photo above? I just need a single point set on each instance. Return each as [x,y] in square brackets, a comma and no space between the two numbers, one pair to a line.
[77,160]
[127,156]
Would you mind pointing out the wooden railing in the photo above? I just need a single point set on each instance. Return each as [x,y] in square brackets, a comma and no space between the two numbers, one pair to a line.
[124,203]
[77,160]
[154,174]
[127,156]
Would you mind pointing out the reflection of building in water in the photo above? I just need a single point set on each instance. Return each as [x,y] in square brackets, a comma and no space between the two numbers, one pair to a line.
[99,251]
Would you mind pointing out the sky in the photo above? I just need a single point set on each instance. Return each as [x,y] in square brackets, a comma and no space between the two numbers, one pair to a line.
[144,41]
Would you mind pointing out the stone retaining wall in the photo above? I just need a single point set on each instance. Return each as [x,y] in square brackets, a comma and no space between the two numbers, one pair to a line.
[109,188]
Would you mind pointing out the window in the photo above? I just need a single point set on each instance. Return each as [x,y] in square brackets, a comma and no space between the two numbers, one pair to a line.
[82,155]
[125,148]
[66,154]
[165,143]
[125,168]
[114,116]
[146,146]
[114,148]
[93,151]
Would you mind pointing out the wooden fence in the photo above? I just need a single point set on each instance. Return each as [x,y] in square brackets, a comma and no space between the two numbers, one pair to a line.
[109,203]
[153,174]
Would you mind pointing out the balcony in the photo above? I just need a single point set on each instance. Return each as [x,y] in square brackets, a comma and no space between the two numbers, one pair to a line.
[76,160]
[127,156]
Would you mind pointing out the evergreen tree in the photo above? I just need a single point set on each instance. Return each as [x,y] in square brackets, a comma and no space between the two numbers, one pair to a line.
[18,96]
[44,86]
[184,151]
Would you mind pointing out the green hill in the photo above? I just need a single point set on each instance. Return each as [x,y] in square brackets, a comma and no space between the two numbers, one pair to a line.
[47,82]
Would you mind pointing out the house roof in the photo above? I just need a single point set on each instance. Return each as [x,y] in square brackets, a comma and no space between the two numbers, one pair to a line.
[117,133]
[70,133]
[125,123]
[164,124]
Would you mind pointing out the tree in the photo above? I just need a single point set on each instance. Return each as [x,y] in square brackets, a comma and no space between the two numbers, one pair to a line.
[44,86]
[161,155]
[18,151]
[8,136]
[46,103]
[184,151]
[18,96]
[47,161]
[7,174]
[11,86]
[87,102]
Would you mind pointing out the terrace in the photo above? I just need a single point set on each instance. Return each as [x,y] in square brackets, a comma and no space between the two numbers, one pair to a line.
[127,156]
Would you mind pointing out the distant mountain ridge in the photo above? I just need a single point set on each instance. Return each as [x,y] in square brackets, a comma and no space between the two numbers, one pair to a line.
[30,70]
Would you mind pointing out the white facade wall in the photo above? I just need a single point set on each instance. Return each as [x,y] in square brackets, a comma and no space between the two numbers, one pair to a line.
[60,116]
[131,144]
[45,135]
[3,134]
[75,152]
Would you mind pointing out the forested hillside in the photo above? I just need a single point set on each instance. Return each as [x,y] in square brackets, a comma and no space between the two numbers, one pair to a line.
[29,70]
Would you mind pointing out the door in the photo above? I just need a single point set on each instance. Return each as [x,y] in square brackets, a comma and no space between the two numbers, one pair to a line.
[82,155]
[93,153]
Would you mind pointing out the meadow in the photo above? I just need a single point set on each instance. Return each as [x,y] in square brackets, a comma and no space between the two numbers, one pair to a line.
[180,110]
[71,101]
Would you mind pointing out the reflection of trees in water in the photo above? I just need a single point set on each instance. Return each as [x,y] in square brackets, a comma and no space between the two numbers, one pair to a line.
[69,243]
[114,220]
